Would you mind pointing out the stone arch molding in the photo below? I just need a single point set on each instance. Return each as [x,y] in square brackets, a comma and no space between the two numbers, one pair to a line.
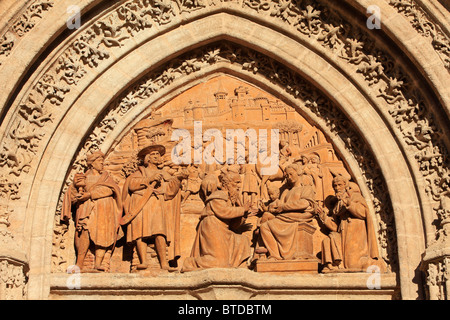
[78,74]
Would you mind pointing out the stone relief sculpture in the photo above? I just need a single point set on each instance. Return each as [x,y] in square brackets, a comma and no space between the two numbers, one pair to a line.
[13,266]
[296,205]
[351,243]
[218,244]
[331,35]
[193,181]
[97,202]
[146,193]
[191,216]
[250,185]
[315,169]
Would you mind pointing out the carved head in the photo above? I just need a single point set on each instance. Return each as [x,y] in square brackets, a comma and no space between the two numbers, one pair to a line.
[314,158]
[340,184]
[230,181]
[152,154]
[304,160]
[292,174]
[283,142]
[95,160]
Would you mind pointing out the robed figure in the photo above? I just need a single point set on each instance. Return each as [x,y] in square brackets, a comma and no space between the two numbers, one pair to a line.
[97,201]
[351,243]
[279,234]
[150,214]
[217,243]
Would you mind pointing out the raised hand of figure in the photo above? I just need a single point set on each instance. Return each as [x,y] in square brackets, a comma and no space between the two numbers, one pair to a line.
[262,206]
[155,177]
[252,212]
[320,212]
[275,208]
[79,180]
[344,199]
[83,196]
[247,206]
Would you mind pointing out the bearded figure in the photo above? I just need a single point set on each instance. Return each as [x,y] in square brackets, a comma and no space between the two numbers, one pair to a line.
[351,243]
[218,244]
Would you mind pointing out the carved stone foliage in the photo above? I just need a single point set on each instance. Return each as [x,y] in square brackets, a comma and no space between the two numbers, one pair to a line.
[12,281]
[422,23]
[438,280]
[13,267]
[312,19]
[23,24]
[436,261]
[406,107]
[255,62]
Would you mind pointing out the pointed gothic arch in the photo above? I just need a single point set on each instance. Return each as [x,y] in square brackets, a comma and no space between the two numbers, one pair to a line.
[84,89]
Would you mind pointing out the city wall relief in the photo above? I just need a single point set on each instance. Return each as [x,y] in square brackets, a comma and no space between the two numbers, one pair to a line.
[135,209]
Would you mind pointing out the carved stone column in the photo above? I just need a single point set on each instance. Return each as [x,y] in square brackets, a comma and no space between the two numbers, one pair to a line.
[13,263]
[436,261]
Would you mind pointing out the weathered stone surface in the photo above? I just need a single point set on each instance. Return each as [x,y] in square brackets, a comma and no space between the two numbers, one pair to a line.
[224,284]
[371,104]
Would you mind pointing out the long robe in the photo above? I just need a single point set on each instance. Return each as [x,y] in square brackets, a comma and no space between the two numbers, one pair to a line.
[216,245]
[280,235]
[352,239]
[100,214]
[160,214]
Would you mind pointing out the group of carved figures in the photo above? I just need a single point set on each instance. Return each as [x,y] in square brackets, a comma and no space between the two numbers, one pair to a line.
[146,210]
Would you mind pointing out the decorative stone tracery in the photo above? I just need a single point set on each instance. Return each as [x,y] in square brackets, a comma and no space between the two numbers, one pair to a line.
[13,264]
[249,61]
[405,107]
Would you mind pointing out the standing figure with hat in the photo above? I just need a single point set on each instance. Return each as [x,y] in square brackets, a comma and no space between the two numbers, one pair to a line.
[146,195]
[98,203]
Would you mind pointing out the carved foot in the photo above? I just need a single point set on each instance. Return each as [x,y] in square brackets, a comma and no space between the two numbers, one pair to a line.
[100,268]
[332,267]
[261,250]
[142,266]
[169,269]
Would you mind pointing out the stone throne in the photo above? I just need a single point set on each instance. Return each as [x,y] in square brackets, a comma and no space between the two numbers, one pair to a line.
[304,261]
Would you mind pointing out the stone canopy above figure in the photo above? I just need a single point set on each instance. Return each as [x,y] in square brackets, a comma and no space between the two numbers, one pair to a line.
[305,217]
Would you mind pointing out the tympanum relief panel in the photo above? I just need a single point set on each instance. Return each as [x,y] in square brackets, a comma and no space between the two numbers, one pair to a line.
[181,192]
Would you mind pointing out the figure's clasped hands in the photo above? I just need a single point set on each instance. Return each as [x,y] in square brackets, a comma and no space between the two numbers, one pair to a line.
[79,180]
[275,208]
[84,196]
[344,199]
[156,177]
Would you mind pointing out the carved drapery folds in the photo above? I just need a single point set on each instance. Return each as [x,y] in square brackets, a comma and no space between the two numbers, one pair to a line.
[406,108]
[250,61]
[312,19]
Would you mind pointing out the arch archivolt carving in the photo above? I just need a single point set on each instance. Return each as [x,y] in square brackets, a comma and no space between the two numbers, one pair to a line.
[241,61]
[61,87]
[99,91]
